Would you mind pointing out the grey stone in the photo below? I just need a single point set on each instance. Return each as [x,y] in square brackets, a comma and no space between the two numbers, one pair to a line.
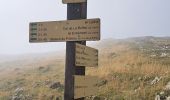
[156,80]
[167,87]
[157,97]
[56,85]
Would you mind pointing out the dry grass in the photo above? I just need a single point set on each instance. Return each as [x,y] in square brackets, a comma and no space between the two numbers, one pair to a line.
[129,76]
[32,79]
[128,73]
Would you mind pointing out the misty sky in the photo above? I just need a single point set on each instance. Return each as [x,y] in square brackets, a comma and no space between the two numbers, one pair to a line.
[119,19]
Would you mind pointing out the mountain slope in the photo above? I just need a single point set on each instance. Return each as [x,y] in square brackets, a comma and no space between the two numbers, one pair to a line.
[127,68]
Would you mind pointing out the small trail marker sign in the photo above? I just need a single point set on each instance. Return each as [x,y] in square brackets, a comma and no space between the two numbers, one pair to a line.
[73,1]
[60,31]
[86,56]
[85,86]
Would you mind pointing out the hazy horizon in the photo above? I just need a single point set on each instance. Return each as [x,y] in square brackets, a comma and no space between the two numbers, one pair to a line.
[119,19]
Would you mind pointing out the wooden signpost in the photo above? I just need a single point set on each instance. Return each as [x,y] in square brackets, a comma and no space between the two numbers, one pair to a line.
[86,56]
[73,1]
[60,31]
[85,86]
[75,31]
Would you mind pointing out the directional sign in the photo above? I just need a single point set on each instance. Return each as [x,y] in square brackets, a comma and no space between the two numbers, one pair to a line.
[60,31]
[73,1]
[85,86]
[85,92]
[86,56]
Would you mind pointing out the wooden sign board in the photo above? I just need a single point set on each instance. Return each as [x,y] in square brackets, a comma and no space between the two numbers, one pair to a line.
[86,56]
[73,1]
[85,92]
[89,91]
[79,93]
[85,86]
[60,31]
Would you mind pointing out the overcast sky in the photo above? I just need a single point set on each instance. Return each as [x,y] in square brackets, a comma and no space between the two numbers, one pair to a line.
[119,19]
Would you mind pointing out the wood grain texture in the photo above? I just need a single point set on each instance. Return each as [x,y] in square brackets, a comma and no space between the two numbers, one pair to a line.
[74,11]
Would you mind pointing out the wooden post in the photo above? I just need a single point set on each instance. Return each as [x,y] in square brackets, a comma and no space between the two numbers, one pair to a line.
[74,11]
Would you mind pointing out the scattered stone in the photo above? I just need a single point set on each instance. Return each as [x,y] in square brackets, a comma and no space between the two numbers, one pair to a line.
[164,55]
[58,98]
[167,87]
[18,94]
[19,91]
[41,68]
[162,93]
[16,69]
[161,96]
[157,97]
[156,80]
[97,98]
[103,82]
[168,98]
[136,90]
[56,85]
[139,78]
[147,78]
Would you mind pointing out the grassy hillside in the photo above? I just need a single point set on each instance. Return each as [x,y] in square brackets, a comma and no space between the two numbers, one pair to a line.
[129,69]
[30,78]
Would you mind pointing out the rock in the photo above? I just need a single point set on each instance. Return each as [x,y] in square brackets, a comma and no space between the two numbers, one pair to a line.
[164,55]
[56,85]
[157,97]
[19,95]
[162,93]
[168,98]
[139,78]
[15,98]
[98,98]
[58,98]
[136,90]
[19,91]
[103,82]
[147,78]
[16,69]
[156,80]
[167,87]
[41,68]
[161,96]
